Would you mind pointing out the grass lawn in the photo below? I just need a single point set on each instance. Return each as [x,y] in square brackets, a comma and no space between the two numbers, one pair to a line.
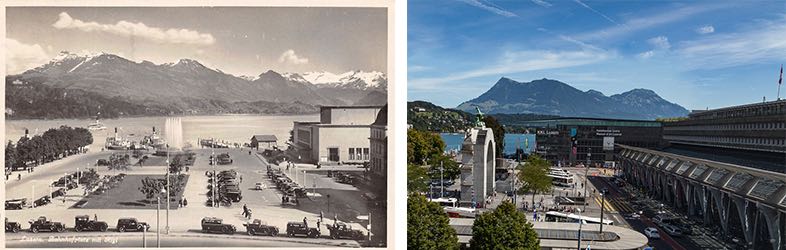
[127,196]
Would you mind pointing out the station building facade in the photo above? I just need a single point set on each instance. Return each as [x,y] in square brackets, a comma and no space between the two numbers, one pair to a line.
[341,136]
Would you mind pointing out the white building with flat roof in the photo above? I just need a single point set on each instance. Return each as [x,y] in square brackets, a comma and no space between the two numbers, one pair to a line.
[341,136]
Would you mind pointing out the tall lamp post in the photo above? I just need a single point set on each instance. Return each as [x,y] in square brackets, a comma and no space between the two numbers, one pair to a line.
[602,203]
[167,188]
[158,219]
[441,180]
[586,176]
[580,222]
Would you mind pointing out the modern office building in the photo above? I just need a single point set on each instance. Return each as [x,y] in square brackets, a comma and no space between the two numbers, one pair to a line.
[341,136]
[595,138]
[752,135]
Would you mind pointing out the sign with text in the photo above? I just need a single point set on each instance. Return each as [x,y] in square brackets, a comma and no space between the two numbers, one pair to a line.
[608,132]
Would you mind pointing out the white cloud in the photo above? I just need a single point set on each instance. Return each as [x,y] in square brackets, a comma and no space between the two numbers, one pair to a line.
[490,7]
[516,62]
[754,44]
[21,57]
[290,57]
[705,30]
[596,12]
[646,54]
[140,30]
[660,42]
[542,3]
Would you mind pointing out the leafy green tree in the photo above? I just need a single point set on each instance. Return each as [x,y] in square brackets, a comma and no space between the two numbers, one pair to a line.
[417,179]
[423,145]
[151,187]
[176,164]
[503,228]
[428,226]
[450,171]
[499,133]
[533,176]
[119,162]
[11,156]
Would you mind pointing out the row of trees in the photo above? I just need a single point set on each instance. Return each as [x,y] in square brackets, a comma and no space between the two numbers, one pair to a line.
[427,148]
[151,187]
[53,144]
[503,228]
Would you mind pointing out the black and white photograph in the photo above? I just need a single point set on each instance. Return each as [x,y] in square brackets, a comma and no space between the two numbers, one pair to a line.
[197,126]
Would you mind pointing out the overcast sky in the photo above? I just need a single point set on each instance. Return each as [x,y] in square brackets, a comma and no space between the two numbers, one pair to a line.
[697,53]
[236,40]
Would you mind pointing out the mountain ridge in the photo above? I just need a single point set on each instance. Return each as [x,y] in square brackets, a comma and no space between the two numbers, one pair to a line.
[553,97]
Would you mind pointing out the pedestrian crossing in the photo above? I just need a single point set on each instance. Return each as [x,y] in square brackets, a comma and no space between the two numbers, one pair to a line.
[616,204]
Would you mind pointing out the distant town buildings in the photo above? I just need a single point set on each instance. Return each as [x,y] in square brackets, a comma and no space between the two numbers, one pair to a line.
[341,136]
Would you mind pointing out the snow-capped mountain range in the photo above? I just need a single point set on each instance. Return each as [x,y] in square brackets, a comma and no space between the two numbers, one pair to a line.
[112,76]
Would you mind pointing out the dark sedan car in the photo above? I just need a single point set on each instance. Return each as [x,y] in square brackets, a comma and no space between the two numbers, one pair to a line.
[13,227]
[84,223]
[301,229]
[216,225]
[259,228]
[131,224]
[44,224]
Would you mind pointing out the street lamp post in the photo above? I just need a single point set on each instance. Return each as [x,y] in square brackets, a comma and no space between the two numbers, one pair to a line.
[167,188]
[586,176]
[602,203]
[32,194]
[158,221]
[580,222]
[441,180]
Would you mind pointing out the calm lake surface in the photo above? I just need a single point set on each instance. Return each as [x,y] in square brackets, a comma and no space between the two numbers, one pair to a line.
[229,128]
[453,142]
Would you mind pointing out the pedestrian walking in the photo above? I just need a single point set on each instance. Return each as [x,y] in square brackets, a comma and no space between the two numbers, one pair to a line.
[318,226]
[180,203]
[245,210]
[19,177]
[248,214]
[305,222]
[96,216]
[185,202]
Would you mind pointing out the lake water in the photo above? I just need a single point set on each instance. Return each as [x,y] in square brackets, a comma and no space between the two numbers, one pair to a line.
[229,128]
[454,141]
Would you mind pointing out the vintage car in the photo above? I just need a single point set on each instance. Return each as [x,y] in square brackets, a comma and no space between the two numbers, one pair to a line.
[301,229]
[15,204]
[13,227]
[42,201]
[131,224]
[215,225]
[44,224]
[257,227]
[341,231]
[83,223]
[259,186]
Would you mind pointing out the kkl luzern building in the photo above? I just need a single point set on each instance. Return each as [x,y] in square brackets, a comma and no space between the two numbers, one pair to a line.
[340,137]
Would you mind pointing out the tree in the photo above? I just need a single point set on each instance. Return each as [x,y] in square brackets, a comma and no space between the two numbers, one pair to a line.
[423,145]
[533,176]
[150,187]
[417,179]
[119,162]
[11,157]
[499,133]
[176,164]
[503,228]
[428,225]
[450,171]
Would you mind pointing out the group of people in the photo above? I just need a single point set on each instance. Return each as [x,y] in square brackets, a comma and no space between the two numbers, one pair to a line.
[183,202]
[246,212]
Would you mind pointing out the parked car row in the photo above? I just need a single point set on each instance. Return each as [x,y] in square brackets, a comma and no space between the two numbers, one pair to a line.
[291,191]
[81,223]
[221,159]
[342,177]
[227,184]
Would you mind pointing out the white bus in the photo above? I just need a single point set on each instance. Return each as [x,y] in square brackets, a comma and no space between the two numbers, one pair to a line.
[450,205]
[563,181]
[554,216]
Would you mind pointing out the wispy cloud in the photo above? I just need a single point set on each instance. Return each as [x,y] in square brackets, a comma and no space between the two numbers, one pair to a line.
[705,30]
[758,43]
[486,5]
[646,54]
[516,62]
[659,42]
[21,57]
[542,3]
[596,12]
[290,57]
[636,24]
[140,30]
[570,39]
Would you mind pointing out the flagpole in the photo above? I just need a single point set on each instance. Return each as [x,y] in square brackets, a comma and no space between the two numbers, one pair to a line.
[780,82]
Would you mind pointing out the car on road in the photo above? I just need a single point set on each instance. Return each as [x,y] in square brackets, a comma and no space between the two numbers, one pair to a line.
[216,225]
[301,229]
[341,231]
[259,186]
[15,204]
[84,223]
[257,227]
[44,224]
[652,233]
[131,224]
[672,230]
[13,227]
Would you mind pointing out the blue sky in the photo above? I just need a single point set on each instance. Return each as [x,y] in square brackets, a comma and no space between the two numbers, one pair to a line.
[697,54]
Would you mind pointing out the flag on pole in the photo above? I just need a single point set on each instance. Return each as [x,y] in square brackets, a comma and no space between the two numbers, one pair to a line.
[780,81]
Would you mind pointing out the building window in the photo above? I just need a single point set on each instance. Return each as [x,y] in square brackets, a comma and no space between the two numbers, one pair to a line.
[365,154]
[351,154]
